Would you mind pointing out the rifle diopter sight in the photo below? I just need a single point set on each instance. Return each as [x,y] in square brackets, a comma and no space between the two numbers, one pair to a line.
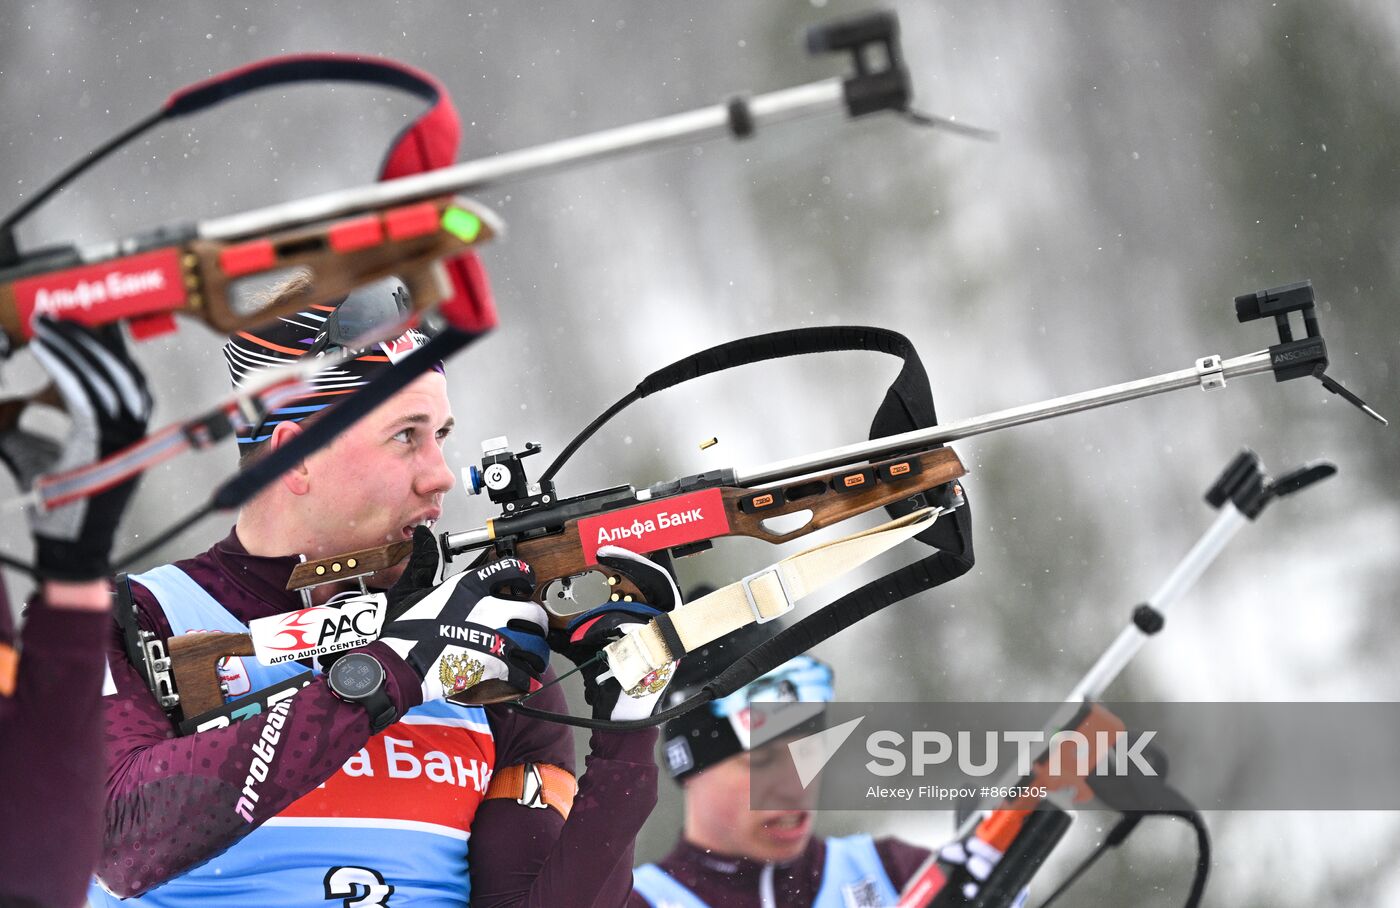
[503,478]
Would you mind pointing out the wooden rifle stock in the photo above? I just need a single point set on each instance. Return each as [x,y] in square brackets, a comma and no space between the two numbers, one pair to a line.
[194,666]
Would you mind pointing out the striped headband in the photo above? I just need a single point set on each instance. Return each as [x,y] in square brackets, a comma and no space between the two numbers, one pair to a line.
[314,331]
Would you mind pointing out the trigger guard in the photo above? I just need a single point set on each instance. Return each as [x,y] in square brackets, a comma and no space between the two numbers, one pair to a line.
[586,590]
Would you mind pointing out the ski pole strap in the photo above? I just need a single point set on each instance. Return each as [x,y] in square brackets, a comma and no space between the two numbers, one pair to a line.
[757,598]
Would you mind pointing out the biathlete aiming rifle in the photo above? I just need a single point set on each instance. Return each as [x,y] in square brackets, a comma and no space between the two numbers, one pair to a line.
[904,468]
[998,851]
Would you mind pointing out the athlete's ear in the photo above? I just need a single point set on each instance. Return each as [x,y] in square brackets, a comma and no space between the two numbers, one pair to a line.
[297,480]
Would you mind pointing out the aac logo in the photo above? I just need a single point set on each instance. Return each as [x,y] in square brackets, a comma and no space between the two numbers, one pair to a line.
[298,627]
[317,630]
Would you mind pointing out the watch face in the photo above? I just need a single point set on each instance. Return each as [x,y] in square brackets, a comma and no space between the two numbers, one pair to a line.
[356,676]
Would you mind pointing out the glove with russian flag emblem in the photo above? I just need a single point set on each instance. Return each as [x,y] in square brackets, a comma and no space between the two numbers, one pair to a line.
[586,635]
[475,637]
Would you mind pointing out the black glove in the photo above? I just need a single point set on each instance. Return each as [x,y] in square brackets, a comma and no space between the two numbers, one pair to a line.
[476,626]
[422,573]
[105,395]
[589,632]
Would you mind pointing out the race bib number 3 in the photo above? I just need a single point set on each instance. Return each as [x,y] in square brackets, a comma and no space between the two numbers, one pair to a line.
[318,630]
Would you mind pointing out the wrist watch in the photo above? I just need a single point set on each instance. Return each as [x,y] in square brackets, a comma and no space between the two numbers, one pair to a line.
[359,678]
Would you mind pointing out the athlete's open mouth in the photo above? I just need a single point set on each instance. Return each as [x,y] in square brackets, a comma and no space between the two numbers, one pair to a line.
[790,824]
[427,520]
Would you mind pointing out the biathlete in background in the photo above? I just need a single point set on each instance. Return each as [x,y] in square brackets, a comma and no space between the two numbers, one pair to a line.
[731,855]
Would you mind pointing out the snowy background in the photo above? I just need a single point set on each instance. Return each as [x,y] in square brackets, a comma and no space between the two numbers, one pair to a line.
[1155,160]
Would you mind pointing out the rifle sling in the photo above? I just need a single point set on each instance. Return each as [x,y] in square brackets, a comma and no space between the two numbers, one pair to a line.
[758,598]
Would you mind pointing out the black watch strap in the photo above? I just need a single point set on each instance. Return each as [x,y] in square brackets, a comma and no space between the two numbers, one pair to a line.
[382,712]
